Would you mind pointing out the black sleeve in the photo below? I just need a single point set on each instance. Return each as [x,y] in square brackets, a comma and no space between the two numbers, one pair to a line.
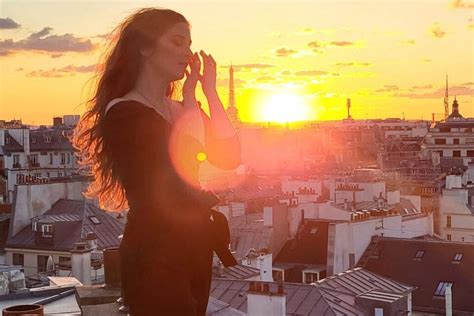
[224,153]
[137,141]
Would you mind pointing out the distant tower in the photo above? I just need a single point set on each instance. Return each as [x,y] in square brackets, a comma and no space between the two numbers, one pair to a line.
[446,101]
[349,117]
[455,115]
[232,111]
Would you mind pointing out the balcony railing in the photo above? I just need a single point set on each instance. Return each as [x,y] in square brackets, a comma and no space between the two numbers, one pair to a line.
[16,165]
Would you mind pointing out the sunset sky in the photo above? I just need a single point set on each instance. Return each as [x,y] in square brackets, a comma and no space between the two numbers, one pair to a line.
[390,57]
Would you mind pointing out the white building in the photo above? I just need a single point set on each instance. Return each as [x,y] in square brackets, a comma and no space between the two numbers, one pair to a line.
[456,212]
[49,219]
[32,154]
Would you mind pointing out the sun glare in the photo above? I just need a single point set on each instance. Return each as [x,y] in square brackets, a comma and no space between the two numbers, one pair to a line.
[284,108]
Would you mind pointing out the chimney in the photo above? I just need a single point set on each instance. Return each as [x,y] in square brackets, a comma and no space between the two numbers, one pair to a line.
[265,266]
[91,241]
[448,296]
[262,301]
[57,121]
[268,216]
[81,263]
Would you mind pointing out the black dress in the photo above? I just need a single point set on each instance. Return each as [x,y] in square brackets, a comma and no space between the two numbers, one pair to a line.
[166,252]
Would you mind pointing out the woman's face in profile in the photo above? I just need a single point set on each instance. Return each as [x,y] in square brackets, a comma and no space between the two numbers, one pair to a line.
[172,51]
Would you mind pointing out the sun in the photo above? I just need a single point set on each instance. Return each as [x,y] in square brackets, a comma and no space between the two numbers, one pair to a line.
[285,107]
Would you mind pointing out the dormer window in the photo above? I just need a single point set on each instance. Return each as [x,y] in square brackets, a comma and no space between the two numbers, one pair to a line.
[457,258]
[47,230]
[34,226]
[419,254]
[94,220]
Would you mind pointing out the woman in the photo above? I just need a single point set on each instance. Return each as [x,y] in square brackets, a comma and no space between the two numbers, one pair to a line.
[144,150]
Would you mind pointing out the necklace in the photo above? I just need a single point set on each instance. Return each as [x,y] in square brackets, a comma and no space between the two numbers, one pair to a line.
[158,108]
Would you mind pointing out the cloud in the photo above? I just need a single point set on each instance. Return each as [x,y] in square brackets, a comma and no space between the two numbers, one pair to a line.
[248,66]
[341,43]
[8,24]
[285,52]
[67,71]
[461,4]
[352,64]
[311,73]
[57,55]
[315,44]
[225,82]
[42,41]
[265,79]
[455,90]
[20,69]
[428,86]
[426,60]
[436,31]
[409,42]
[468,84]
[388,88]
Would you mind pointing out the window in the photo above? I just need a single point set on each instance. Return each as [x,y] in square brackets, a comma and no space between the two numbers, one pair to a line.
[63,158]
[41,263]
[33,140]
[440,152]
[310,277]
[419,254]
[314,230]
[34,160]
[441,289]
[47,230]
[456,153]
[448,221]
[50,158]
[457,258]
[440,141]
[7,140]
[64,263]
[94,220]
[278,275]
[68,158]
[47,139]
[18,259]
[16,161]
[456,141]
[470,153]
[448,237]
[60,174]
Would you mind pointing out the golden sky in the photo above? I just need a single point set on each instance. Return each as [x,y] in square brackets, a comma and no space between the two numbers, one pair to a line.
[390,57]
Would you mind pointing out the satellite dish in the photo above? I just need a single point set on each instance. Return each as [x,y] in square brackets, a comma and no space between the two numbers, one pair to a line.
[49,265]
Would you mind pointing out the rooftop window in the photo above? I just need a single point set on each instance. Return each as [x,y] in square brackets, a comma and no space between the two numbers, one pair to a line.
[441,289]
[94,220]
[457,258]
[419,254]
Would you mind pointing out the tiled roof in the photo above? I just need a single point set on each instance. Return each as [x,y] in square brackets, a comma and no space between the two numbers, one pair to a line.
[239,272]
[248,232]
[11,145]
[301,299]
[346,286]
[396,260]
[310,246]
[72,221]
[58,139]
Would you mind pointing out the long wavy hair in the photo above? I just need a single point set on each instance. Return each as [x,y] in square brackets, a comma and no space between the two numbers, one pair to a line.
[116,76]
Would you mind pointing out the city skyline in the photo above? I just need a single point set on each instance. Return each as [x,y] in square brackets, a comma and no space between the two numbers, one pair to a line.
[386,56]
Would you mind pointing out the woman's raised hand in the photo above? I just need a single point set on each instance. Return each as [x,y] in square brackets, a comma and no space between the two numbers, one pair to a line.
[189,86]
[208,78]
